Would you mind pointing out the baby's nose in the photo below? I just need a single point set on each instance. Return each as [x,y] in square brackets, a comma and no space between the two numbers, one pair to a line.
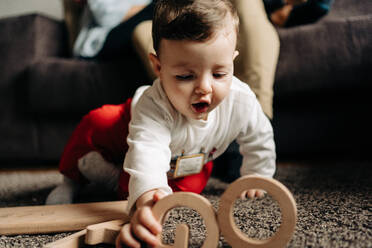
[204,86]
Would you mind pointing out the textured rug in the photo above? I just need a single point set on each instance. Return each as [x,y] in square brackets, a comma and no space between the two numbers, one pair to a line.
[334,201]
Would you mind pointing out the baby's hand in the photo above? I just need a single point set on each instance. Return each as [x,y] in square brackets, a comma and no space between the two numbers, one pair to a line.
[252,193]
[143,225]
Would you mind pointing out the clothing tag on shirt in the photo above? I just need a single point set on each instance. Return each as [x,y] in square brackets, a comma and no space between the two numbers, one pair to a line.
[188,165]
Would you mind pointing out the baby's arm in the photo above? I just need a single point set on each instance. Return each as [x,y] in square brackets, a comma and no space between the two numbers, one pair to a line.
[143,225]
[256,141]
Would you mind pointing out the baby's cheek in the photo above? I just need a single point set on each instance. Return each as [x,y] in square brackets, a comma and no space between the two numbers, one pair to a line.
[220,92]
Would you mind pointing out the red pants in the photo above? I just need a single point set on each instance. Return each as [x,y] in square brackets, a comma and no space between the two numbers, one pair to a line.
[105,130]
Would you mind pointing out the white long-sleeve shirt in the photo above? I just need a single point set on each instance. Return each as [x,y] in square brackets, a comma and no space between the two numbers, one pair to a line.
[158,133]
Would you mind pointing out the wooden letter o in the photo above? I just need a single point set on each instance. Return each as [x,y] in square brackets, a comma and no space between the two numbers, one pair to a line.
[278,191]
[196,202]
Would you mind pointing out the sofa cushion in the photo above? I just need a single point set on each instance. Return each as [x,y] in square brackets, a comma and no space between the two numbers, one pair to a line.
[321,58]
[349,8]
[57,85]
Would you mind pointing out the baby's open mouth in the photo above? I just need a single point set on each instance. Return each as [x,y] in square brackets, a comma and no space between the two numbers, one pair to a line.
[200,107]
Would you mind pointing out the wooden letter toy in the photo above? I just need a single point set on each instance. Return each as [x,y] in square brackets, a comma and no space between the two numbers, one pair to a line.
[196,202]
[274,188]
[225,219]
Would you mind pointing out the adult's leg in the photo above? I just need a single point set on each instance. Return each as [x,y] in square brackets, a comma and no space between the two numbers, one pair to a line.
[142,42]
[258,47]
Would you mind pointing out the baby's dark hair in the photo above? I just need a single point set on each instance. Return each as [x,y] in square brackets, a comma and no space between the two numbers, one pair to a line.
[195,20]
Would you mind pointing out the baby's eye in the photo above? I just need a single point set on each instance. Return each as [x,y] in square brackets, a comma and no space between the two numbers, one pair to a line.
[219,75]
[184,77]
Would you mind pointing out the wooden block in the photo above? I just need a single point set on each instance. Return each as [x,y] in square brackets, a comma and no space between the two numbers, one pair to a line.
[59,218]
[103,232]
[196,202]
[278,191]
[94,234]
[72,241]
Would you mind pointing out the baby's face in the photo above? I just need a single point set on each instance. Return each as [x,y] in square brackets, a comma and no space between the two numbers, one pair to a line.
[196,76]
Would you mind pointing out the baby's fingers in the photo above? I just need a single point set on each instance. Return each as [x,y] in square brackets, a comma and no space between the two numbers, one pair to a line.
[147,219]
[145,235]
[145,227]
[260,193]
[243,195]
[252,193]
[125,237]
[247,193]
[159,194]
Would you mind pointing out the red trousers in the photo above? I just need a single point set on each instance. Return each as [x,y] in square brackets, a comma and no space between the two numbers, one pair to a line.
[105,130]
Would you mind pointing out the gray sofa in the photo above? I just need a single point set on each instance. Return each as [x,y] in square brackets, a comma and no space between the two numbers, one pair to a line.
[322,86]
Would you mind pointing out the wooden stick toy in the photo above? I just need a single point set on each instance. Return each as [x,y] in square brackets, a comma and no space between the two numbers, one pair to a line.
[59,218]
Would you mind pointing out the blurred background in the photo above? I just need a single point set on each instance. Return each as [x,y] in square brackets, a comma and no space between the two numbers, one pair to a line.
[51,8]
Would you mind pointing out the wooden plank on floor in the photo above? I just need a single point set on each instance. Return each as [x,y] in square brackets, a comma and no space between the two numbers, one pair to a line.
[59,218]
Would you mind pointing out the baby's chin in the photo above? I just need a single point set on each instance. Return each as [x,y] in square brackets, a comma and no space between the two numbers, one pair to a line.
[200,116]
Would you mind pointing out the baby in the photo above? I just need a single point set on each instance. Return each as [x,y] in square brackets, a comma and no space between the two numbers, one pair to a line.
[169,133]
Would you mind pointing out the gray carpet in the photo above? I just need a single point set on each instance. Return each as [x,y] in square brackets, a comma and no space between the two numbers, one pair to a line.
[334,201]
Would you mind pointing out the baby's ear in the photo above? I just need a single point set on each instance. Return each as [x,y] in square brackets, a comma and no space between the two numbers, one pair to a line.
[155,63]
[236,53]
